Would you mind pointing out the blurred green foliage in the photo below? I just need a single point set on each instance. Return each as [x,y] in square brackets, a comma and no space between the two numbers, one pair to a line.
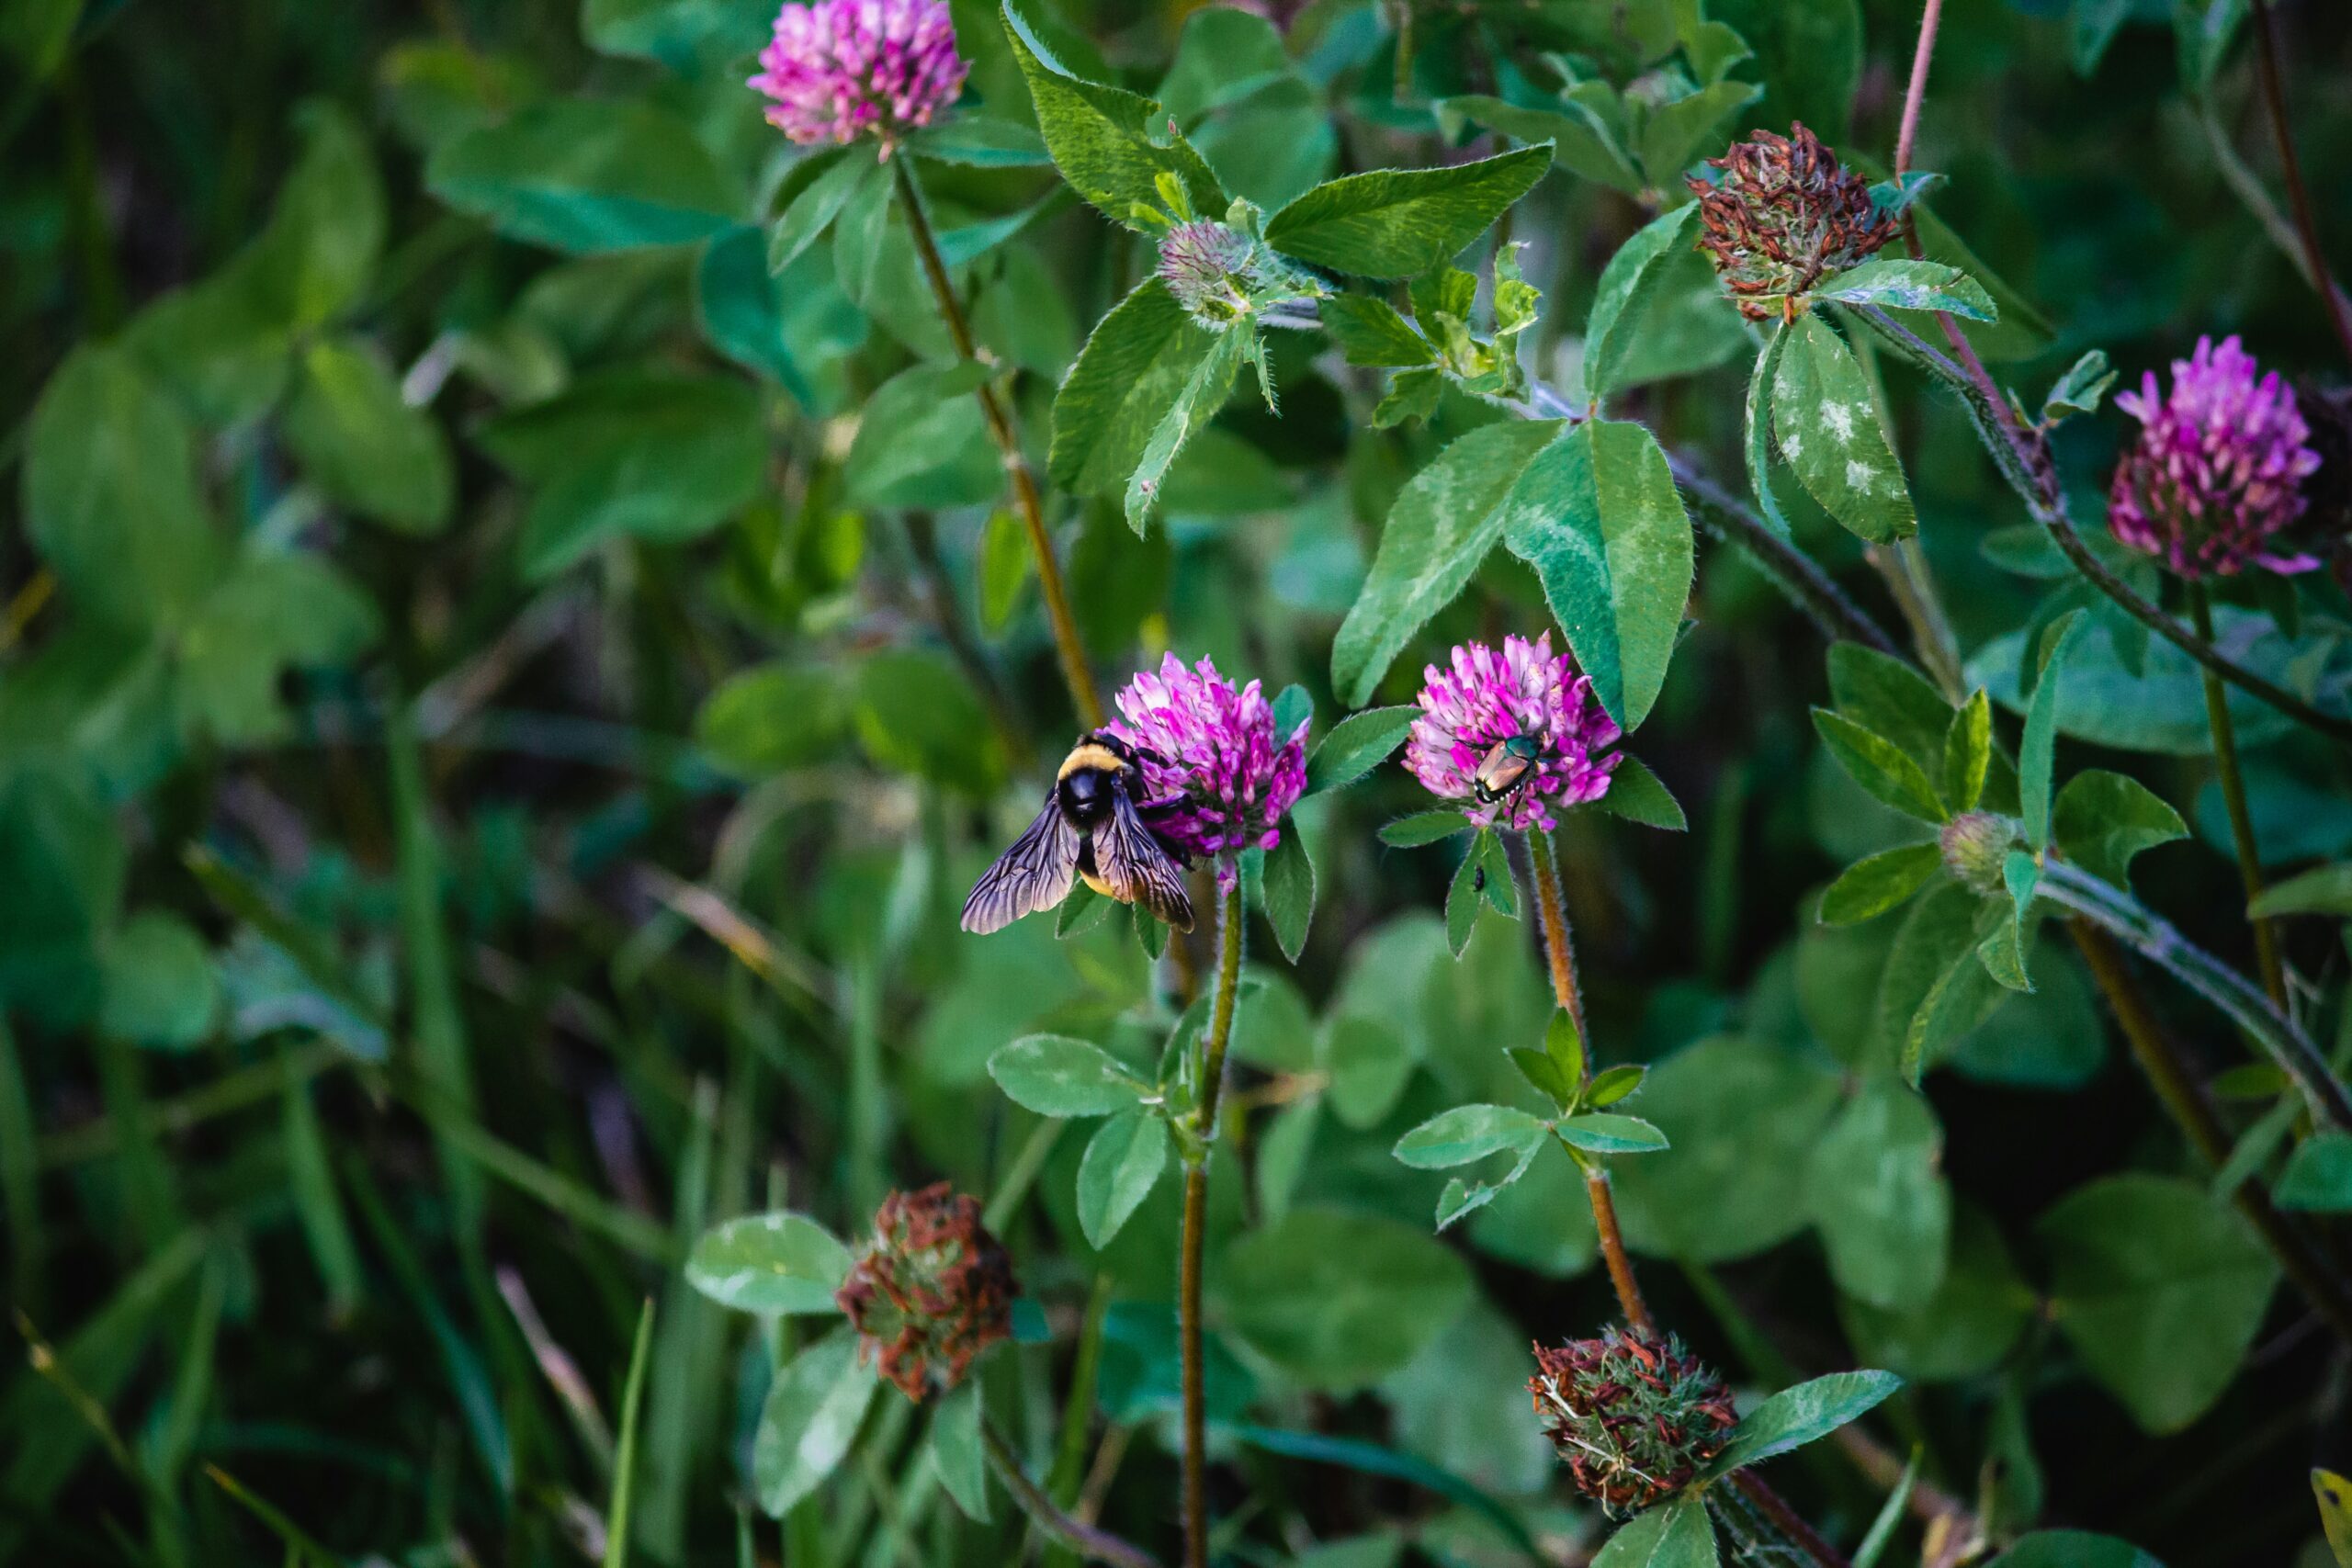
[514,646]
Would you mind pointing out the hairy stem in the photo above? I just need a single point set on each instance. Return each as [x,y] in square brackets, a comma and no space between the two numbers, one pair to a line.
[1785,1520]
[1096,1545]
[1905,566]
[2170,1077]
[1796,574]
[1076,672]
[2154,938]
[2298,199]
[2022,454]
[1559,954]
[2225,761]
[1915,92]
[1196,1206]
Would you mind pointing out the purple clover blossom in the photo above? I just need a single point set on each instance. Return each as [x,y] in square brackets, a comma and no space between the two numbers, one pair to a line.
[1214,748]
[2218,471]
[1492,698]
[840,69]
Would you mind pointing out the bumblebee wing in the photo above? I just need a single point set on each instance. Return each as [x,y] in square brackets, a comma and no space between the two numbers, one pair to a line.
[1136,869]
[1033,874]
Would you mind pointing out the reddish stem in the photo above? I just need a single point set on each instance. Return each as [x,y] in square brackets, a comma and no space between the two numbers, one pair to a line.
[1916,92]
[2298,199]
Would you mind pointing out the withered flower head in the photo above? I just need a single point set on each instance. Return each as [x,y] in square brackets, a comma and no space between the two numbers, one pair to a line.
[1633,1416]
[1780,216]
[933,1290]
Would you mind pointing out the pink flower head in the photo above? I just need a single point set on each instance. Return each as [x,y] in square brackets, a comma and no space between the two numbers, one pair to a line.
[2218,471]
[840,69]
[1522,694]
[1216,748]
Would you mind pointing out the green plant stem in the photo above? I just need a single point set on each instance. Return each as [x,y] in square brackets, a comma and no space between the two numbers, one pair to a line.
[2022,454]
[1785,1520]
[2225,761]
[2299,198]
[1022,1174]
[1096,1545]
[1559,953]
[1078,1407]
[2156,939]
[1552,917]
[1912,582]
[2178,1090]
[1077,675]
[1795,574]
[1196,1207]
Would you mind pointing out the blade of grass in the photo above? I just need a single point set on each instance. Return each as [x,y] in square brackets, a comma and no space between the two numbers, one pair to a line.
[20,1180]
[224,1095]
[1371,1459]
[687,1351]
[1078,1415]
[563,1373]
[173,1439]
[316,1203]
[98,1360]
[299,1547]
[869,1111]
[617,1525]
[633,1231]
[437,1034]
[139,1166]
[1022,1174]
[1890,1517]
[476,1400]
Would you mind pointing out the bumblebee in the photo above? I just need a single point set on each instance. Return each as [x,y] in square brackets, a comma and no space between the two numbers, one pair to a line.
[1094,827]
[1510,764]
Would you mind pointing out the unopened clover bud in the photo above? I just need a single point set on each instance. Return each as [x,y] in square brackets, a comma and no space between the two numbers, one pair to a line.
[932,1289]
[1781,216]
[1974,844]
[1635,1416]
[1210,268]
